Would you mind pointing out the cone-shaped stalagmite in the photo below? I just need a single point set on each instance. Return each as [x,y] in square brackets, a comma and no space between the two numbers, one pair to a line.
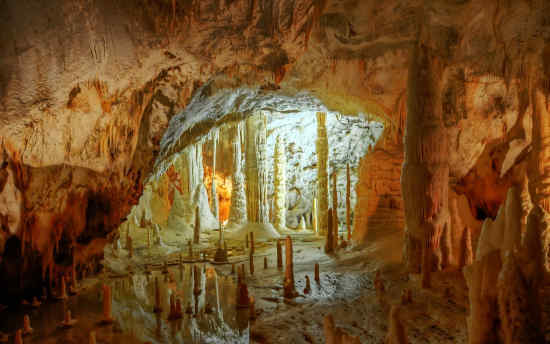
[279,185]
[197,228]
[158,306]
[243,300]
[27,329]
[279,254]
[252,242]
[321,145]
[334,218]
[329,244]
[396,330]
[91,338]
[196,280]
[107,305]
[317,277]
[237,211]
[288,285]
[251,260]
[348,202]
[18,337]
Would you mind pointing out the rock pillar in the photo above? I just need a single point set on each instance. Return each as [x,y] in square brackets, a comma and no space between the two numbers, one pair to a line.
[348,202]
[334,218]
[214,195]
[237,212]
[256,169]
[280,185]
[425,173]
[288,285]
[321,145]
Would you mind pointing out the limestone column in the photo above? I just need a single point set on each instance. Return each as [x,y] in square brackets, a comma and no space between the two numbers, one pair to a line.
[237,212]
[321,145]
[335,210]
[425,173]
[348,202]
[280,185]
[288,285]
[315,222]
[214,195]
[256,169]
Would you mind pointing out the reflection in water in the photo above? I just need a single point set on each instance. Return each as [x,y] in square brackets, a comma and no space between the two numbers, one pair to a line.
[215,318]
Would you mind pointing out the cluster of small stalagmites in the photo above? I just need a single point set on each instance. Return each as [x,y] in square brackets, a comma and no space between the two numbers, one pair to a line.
[515,266]
[335,335]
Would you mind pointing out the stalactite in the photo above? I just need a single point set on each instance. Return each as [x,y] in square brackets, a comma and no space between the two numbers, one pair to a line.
[238,213]
[348,201]
[334,218]
[280,185]
[321,145]
[215,205]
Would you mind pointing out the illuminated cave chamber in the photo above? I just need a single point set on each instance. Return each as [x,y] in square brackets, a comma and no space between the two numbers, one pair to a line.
[246,141]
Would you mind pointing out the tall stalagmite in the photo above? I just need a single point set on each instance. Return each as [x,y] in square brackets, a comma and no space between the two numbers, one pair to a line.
[237,212]
[348,202]
[425,173]
[280,185]
[197,228]
[321,145]
[256,169]
[288,285]
[214,195]
[329,244]
[314,217]
[334,218]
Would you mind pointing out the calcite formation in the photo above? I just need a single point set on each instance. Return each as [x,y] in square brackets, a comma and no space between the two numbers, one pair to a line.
[238,212]
[329,243]
[279,169]
[256,169]
[348,202]
[213,194]
[289,288]
[321,145]
[314,217]
[334,217]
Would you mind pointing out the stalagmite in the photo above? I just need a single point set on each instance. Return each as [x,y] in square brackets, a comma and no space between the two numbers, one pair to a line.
[302,225]
[18,337]
[334,212]
[158,307]
[252,308]
[348,201]
[214,195]
[279,185]
[288,285]
[91,338]
[252,249]
[237,212]
[107,305]
[256,169]
[63,289]
[246,240]
[265,262]
[197,228]
[335,335]
[396,330]
[468,253]
[279,254]
[232,268]
[329,244]
[315,224]
[307,288]
[68,321]
[379,287]
[513,303]
[27,329]
[406,296]
[243,300]
[317,277]
[321,145]
[251,260]
[35,303]
[196,280]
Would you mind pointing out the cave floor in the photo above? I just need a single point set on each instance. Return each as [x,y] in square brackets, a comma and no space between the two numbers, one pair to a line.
[346,291]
